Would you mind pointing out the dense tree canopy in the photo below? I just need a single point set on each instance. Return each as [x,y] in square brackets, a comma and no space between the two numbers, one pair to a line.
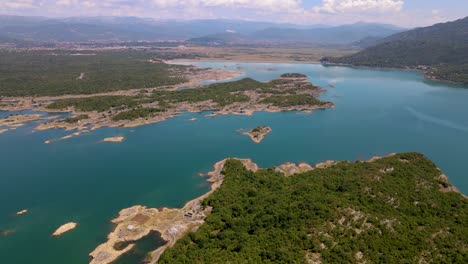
[44,73]
[387,211]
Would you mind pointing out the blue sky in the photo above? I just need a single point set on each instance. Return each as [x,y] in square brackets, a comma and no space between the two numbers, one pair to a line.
[408,13]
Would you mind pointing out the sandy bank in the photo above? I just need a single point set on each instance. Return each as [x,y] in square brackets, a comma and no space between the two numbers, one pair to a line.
[114,139]
[22,212]
[64,228]
[18,120]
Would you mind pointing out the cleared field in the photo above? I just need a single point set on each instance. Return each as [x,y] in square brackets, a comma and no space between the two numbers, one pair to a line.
[261,54]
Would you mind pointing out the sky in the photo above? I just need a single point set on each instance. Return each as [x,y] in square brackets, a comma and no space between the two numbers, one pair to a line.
[407,13]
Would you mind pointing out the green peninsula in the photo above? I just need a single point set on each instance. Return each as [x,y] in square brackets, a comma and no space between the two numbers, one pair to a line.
[398,209]
[130,108]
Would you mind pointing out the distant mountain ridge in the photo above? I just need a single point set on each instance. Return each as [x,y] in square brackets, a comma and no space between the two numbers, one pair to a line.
[344,34]
[82,29]
[334,35]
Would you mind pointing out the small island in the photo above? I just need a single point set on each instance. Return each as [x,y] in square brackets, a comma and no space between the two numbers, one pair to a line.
[257,134]
[114,139]
[64,228]
[22,212]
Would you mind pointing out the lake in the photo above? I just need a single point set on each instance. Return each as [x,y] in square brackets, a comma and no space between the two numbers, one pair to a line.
[88,181]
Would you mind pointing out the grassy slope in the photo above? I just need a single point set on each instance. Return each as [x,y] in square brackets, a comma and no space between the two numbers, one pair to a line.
[334,214]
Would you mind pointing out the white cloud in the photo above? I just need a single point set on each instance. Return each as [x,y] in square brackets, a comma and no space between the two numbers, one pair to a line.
[262,5]
[89,4]
[66,2]
[292,11]
[347,6]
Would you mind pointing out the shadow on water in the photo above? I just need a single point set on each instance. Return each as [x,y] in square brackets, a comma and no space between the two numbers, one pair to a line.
[139,252]
[444,84]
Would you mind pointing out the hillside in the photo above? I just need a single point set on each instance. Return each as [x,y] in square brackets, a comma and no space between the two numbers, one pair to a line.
[391,210]
[442,46]
[344,34]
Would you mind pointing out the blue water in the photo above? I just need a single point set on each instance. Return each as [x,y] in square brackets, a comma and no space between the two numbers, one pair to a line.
[87,181]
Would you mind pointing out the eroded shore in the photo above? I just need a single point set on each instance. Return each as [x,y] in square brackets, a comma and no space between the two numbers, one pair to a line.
[138,221]
[290,92]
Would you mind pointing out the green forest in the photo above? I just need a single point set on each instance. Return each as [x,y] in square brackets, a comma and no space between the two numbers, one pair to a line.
[52,73]
[292,100]
[75,119]
[96,103]
[454,73]
[386,211]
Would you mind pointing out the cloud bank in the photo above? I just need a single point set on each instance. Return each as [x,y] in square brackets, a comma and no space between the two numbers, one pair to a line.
[293,11]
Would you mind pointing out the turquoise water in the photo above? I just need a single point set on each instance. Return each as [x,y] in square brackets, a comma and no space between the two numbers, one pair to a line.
[87,181]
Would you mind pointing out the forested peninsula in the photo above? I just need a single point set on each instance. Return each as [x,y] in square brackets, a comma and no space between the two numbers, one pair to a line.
[396,209]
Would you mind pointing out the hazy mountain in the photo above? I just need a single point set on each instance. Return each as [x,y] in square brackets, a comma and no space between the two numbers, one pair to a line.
[322,35]
[333,35]
[133,28]
[367,42]
[121,28]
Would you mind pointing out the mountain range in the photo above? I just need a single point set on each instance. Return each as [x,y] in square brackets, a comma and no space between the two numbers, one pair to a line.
[344,34]
[85,29]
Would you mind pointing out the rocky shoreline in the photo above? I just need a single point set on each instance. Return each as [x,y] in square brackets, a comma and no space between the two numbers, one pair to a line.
[138,221]
[86,121]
